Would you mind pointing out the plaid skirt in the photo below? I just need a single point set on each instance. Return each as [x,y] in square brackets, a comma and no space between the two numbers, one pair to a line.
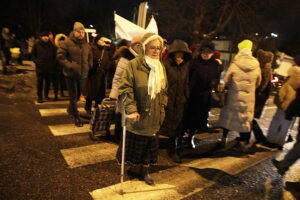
[139,150]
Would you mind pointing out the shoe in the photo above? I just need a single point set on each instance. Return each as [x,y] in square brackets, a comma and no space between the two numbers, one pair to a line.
[78,122]
[245,146]
[293,187]
[222,142]
[146,176]
[40,101]
[47,98]
[281,170]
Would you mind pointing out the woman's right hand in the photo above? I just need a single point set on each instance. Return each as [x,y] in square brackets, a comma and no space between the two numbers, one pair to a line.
[135,117]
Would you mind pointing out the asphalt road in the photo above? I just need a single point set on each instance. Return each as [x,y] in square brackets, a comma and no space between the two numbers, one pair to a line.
[43,156]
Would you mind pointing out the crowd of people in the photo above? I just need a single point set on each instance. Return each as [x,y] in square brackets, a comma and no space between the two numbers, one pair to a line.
[166,90]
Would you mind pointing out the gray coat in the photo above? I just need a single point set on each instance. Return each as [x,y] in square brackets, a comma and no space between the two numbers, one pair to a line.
[242,78]
[76,57]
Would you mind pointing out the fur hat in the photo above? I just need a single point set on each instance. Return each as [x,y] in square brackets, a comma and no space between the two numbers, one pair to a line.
[245,44]
[207,47]
[297,59]
[78,26]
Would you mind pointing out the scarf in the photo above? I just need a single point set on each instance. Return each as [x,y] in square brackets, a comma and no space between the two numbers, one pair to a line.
[157,80]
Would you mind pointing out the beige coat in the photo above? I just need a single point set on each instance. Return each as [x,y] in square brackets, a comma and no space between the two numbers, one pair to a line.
[242,78]
[287,92]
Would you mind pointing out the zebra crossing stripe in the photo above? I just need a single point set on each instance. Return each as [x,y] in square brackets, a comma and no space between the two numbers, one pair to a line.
[55,111]
[68,129]
[181,181]
[91,154]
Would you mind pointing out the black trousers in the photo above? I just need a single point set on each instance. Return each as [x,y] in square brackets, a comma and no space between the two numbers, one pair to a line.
[41,78]
[75,88]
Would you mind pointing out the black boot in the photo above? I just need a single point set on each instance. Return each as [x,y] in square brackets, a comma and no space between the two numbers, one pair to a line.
[146,176]
[258,133]
[174,149]
[78,122]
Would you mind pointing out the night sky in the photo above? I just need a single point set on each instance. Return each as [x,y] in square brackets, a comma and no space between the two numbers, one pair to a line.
[281,17]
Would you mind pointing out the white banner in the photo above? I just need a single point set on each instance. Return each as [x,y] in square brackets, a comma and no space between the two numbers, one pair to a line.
[125,29]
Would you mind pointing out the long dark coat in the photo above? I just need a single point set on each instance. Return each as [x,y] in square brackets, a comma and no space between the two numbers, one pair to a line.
[95,87]
[43,55]
[178,89]
[204,76]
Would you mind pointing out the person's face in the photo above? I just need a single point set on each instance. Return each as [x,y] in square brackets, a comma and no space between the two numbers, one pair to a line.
[45,38]
[206,55]
[153,49]
[79,34]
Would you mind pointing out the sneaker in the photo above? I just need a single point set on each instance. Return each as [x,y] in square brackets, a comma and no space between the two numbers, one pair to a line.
[280,169]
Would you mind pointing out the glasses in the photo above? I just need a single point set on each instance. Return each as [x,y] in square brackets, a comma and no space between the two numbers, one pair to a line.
[153,48]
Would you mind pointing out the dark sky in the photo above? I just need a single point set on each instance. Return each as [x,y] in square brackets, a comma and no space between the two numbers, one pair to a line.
[281,16]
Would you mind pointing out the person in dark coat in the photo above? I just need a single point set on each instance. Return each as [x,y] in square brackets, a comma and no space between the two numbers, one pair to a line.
[204,77]
[177,69]
[6,41]
[76,57]
[43,55]
[262,93]
[102,63]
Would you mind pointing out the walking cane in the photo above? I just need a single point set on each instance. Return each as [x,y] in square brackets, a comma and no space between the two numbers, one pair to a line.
[123,142]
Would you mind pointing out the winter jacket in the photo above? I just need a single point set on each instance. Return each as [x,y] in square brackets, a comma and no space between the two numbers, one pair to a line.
[135,84]
[287,92]
[262,94]
[178,88]
[242,78]
[125,57]
[43,55]
[76,57]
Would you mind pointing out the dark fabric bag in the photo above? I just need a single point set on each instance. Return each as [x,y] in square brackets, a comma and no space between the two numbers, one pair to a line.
[103,116]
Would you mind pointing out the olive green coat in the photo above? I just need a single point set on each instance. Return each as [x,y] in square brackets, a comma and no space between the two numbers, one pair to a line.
[135,84]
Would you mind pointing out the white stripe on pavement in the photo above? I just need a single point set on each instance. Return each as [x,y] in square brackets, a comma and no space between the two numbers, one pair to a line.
[182,181]
[87,155]
[55,111]
[68,129]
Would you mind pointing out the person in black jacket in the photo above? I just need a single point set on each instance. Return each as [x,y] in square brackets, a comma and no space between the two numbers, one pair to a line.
[177,69]
[204,78]
[43,55]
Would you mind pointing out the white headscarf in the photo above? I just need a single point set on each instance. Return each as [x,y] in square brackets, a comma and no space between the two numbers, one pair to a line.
[157,80]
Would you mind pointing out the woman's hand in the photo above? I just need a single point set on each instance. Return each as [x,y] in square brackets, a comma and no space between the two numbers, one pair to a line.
[135,117]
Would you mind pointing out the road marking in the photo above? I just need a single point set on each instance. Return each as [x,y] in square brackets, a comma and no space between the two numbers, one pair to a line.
[68,129]
[55,111]
[201,174]
[60,102]
[87,155]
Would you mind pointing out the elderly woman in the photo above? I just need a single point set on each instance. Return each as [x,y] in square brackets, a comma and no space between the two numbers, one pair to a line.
[242,79]
[144,81]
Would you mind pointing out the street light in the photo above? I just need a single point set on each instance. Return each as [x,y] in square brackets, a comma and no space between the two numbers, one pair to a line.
[274,35]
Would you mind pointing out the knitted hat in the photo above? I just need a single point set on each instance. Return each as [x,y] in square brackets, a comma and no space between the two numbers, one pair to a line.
[245,44]
[207,47]
[78,26]
[297,59]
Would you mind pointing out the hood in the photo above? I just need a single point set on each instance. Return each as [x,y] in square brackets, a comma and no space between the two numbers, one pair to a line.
[145,40]
[246,62]
[179,46]
[294,71]
[57,37]
[264,57]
